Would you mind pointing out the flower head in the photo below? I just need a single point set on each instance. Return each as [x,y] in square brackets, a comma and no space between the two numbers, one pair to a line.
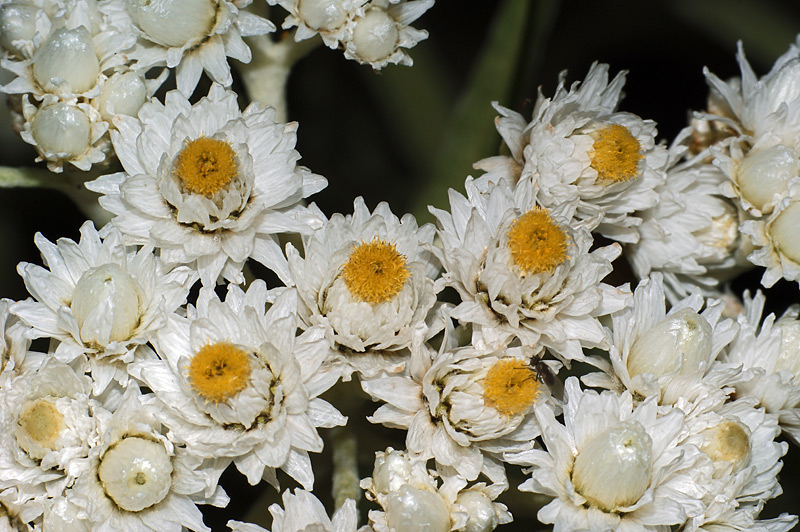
[208,184]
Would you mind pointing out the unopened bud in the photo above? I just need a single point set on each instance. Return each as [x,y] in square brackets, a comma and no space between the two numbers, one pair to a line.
[63,129]
[173,23]
[123,94]
[106,304]
[481,515]
[765,172]
[375,35]
[681,341]
[415,510]
[17,22]
[784,233]
[613,470]
[322,14]
[68,55]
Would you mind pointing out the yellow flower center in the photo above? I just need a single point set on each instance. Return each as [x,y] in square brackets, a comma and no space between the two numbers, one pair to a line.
[206,166]
[375,271]
[727,442]
[536,242]
[616,154]
[42,422]
[510,386]
[219,371]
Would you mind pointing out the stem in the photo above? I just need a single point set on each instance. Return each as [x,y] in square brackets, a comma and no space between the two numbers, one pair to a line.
[266,74]
[345,466]
[69,183]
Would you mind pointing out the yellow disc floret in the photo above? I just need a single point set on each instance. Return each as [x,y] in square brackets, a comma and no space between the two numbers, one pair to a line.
[42,423]
[219,371]
[616,154]
[206,166]
[537,243]
[510,386]
[375,271]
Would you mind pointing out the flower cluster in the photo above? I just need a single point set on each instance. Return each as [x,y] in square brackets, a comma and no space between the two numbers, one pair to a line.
[372,32]
[166,360]
[82,66]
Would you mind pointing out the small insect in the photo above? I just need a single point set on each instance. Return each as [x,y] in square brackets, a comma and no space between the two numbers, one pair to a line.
[544,375]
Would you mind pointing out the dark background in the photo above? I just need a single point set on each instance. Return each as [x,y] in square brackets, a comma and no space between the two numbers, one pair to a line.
[403,134]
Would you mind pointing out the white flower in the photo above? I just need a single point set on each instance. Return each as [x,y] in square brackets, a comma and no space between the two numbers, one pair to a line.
[759,107]
[138,480]
[691,235]
[47,427]
[192,35]
[762,158]
[739,439]
[412,500]
[775,239]
[328,18]
[768,352]
[668,355]
[380,30]
[463,408]
[302,512]
[99,298]
[235,383]
[613,466]
[209,185]
[577,147]
[368,279]
[525,271]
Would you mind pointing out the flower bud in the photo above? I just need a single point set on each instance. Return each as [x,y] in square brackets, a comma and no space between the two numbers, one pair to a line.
[17,22]
[481,515]
[392,470]
[68,55]
[106,304]
[784,233]
[123,94]
[322,14]
[414,510]
[765,172]
[681,341]
[613,470]
[136,473]
[728,446]
[375,35]
[63,129]
[173,23]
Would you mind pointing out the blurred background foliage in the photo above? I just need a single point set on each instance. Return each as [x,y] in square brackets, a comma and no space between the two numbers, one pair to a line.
[404,135]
